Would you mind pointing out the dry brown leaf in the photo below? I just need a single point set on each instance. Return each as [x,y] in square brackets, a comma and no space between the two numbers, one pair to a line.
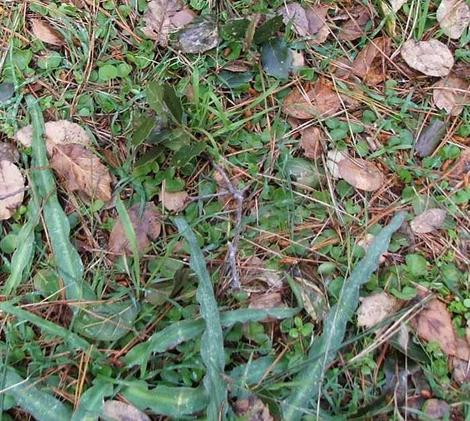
[266,300]
[434,323]
[44,32]
[375,308]
[370,63]
[59,132]
[120,411]
[361,174]
[453,17]
[461,370]
[254,269]
[320,101]
[174,202]
[8,152]
[147,227]
[310,142]
[11,189]
[307,22]
[451,94]
[460,170]
[428,221]
[81,171]
[164,17]
[294,14]
[397,4]
[433,58]
[353,28]
[334,158]
[252,409]
[436,409]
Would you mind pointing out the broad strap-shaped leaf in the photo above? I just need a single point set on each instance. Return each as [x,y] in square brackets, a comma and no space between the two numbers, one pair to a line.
[67,259]
[323,350]
[40,405]
[91,402]
[212,341]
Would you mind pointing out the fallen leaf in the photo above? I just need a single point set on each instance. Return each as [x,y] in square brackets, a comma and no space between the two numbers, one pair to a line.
[310,142]
[81,171]
[353,28]
[430,137]
[147,227]
[361,174]
[397,4]
[334,158]
[174,202]
[462,167]
[198,36]
[294,14]
[370,63]
[433,58]
[461,370]
[8,152]
[266,300]
[120,411]
[11,189]
[252,409]
[428,221]
[165,16]
[375,308]
[61,132]
[436,409]
[451,94]
[44,32]
[320,101]
[253,269]
[434,323]
[453,17]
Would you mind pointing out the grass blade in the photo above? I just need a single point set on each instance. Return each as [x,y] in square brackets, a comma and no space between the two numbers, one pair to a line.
[23,255]
[186,330]
[41,405]
[212,342]
[67,259]
[173,402]
[323,350]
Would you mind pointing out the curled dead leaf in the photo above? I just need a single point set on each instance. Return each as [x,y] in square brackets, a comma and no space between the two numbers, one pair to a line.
[361,174]
[120,411]
[376,308]
[320,101]
[59,132]
[453,17]
[11,189]
[433,58]
[174,202]
[165,16]
[8,152]
[428,221]
[44,32]
[310,142]
[451,94]
[370,63]
[147,227]
[81,171]
[353,28]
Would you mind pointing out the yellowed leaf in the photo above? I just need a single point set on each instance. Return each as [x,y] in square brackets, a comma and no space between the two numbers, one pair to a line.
[453,17]
[147,227]
[376,308]
[320,101]
[361,174]
[433,58]
[165,16]
[11,189]
[451,94]
[81,171]
[44,32]
[174,202]
[310,142]
[428,221]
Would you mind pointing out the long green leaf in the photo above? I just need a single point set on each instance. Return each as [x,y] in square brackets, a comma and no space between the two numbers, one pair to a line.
[41,405]
[91,402]
[324,349]
[173,402]
[67,259]
[23,255]
[186,330]
[212,342]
